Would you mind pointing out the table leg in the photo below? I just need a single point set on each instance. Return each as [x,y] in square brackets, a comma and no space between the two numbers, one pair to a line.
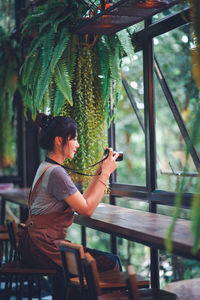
[1,251]
[83,236]
[155,276]
[3,210]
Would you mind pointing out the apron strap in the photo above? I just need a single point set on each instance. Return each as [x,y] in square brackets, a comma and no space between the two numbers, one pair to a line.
[30,201]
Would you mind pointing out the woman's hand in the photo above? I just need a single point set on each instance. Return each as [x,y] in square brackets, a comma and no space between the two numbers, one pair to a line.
[109,164]
[86,204]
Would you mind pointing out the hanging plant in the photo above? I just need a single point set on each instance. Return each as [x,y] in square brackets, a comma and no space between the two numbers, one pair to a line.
[9,62]
[88,112]
[48,67]
[71,75]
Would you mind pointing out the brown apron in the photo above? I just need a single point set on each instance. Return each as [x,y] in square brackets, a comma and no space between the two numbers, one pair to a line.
[39,240]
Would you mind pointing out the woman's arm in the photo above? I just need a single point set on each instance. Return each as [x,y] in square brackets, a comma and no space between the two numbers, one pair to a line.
[86,204]
[93,182]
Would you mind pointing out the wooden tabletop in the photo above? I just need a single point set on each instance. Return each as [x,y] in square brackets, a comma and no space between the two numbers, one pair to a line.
[143,227]
[16,195]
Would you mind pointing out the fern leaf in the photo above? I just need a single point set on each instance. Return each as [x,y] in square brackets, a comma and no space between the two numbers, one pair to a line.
[71,54]
[58,102]
[63,81]
[47,47]
[114,57]
[126,43]
[28,68]
[51,17]
[59,21]
[42,85]
[28,99]
[104,67]
[37,20]
[114,64]
[45,26]
[60,47]
[36,71]
[35,44]
[46,99]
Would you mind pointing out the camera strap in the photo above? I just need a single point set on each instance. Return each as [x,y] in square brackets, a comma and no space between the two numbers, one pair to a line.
[47,159]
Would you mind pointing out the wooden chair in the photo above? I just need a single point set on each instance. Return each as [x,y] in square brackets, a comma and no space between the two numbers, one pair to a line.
[3,228]
[4,243]
[95,291]
[72,256]
[133,293]
[11,272]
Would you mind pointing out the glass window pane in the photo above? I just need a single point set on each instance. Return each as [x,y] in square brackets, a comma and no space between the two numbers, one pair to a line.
[171,147]
[172,10]
[129,134]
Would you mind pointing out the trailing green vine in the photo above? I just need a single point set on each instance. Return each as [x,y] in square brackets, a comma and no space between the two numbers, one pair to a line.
[88,112]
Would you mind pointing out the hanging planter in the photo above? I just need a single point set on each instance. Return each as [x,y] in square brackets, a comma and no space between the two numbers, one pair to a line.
[71,75]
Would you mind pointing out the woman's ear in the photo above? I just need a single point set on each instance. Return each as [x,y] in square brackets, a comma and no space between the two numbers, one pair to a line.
[58,142]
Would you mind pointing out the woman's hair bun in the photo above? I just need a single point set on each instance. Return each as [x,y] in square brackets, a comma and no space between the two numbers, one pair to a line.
[43,120]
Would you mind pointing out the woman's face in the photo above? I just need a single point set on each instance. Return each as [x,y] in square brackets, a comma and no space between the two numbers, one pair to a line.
[71,147]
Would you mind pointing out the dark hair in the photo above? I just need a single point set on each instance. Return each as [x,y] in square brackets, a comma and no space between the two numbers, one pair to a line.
[54,126]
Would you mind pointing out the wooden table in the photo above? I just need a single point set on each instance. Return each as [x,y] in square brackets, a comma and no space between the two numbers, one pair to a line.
[17,195]
[138,226]
[142,227]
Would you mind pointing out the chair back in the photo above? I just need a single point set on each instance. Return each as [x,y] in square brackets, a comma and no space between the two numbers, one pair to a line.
[132,284]
[12,231]
[72,256]
[92,277]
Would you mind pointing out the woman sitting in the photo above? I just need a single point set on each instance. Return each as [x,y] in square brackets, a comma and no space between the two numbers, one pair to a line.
[54,198]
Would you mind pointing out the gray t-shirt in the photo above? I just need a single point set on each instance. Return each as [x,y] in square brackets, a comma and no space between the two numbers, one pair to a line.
[56,185]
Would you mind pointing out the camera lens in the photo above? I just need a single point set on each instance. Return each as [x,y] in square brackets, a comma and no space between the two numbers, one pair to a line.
[120,157]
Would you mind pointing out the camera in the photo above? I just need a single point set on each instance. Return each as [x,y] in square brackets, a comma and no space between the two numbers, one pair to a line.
[120,157]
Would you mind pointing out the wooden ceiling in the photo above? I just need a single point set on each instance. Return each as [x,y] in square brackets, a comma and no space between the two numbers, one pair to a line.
[121,15]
